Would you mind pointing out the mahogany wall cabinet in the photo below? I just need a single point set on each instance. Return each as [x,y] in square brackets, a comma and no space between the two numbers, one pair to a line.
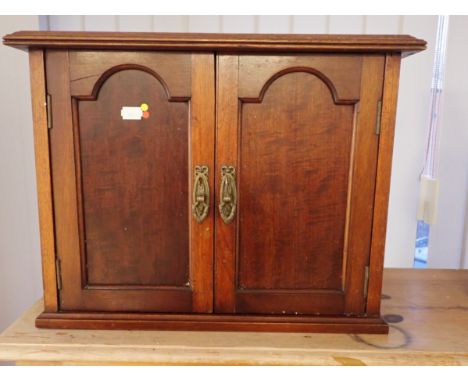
[213,182]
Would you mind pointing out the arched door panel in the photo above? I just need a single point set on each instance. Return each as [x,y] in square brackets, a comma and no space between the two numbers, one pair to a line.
[304,153]
[124,145]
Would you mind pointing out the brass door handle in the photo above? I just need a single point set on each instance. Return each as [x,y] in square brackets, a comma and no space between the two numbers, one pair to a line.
[200,194]
[228,194]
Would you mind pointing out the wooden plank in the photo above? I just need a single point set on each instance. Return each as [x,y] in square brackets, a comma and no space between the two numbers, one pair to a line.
[227,323]
[218,42]
[88,67]
[382,188]
[420,334]
[257,72]
[202,153]
[63,180]
[44,185]
[227,154]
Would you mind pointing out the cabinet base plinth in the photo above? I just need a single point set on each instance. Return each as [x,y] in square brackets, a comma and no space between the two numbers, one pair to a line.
[211,322]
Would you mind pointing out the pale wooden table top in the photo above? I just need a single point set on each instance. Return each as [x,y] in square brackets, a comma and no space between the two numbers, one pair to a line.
[433,306]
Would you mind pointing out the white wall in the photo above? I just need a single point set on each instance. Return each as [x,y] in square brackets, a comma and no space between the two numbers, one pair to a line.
[446,236]
[20,267]
[409,145]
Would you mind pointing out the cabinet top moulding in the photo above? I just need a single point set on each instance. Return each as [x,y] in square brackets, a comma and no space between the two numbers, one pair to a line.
[217,42]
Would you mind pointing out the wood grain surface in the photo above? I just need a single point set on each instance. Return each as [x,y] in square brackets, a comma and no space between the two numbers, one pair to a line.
[293,185]
[312,171]
[217,42]
[226,154]
[382,186]
[202,141]
[362,186]
[426,310]
[43,178]
[126,240]
[300,131]
[135,210]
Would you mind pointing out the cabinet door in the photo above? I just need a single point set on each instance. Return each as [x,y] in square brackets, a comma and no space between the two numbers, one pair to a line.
[128,130]
[300,134]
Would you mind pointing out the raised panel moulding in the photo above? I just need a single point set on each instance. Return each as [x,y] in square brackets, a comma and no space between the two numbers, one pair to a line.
[217,42]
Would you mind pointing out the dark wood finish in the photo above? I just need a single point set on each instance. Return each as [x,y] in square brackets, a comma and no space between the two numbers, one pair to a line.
[87,71]
[293,186]
[362,184]
[293,180]
[216,42]
[258,72]
[127,241]
[297,301]
[202,141]
[296,115]
[63,163]
[301,241]
[384,167]
[134,223]
[43,178]
[212,322]
[226,153]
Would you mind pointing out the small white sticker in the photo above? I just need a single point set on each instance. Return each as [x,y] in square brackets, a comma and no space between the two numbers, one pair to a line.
[131,112]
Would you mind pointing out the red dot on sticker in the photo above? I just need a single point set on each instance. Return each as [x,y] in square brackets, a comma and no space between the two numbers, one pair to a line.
[146,114]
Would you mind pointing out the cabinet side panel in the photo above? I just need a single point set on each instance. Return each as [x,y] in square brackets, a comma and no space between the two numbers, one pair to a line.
[44,189]
[362,185]
[63,179]
[384,166]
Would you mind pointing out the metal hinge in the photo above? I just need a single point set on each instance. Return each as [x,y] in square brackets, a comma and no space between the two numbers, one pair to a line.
[49,111]
[58,270]
[379,117]
[366,280]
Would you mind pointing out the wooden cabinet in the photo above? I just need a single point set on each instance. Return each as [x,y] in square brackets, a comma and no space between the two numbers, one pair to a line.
[124,235]
[213,182]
